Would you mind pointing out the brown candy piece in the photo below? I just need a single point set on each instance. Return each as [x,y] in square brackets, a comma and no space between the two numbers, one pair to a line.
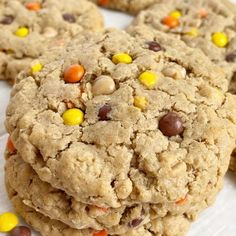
[171,124]
[7,20]
[103,112]
[231,57]
[135,222]
[154,46]
[20,231]
[69,17]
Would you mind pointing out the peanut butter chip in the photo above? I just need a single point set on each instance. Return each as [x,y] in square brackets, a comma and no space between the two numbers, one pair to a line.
[103,85]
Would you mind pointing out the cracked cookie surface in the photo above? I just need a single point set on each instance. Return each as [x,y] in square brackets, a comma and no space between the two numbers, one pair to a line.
[161,132]
[28,29]
[208,25]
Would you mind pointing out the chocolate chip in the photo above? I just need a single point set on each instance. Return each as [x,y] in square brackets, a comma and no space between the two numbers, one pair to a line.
[171,124]
[136,222]
[103,112]
[154,46]
[231,57]
[20,231]
[69,17]
[7,20]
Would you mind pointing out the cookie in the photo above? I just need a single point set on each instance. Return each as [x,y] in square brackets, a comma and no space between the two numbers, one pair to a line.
[116,120]
[57,205]
[131,6]
[208,25]
[28,29]
[230,4]
[171,226]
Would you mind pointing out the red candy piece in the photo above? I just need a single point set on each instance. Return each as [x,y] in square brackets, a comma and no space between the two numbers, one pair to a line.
[101,233]
[103,2]
[10,146]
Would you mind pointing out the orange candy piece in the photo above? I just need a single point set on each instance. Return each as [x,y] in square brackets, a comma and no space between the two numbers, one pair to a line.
[74,73]
[103,2]
[102,209]
[33,6]
[181,201]
[170,21]
[101,233]
[203,13]
[10,146]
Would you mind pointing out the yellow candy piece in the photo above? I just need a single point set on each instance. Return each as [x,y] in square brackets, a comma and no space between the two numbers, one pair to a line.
[194,32]
[73,116]
[22,32]
[140,102]
[122,58]
[8,221]
[176,14]
[36,67]
[220,39]
[149,79]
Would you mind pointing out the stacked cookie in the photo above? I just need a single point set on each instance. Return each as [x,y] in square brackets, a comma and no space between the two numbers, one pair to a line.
[107,142]
[120,133]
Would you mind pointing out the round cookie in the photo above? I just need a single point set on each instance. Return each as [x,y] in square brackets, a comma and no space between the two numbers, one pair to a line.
[29,29]
[159,130]
[131,6]
[57,205]
[208,25]
[168,226]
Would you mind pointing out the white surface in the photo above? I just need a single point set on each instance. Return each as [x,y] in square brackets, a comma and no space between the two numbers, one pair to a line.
[219,220]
